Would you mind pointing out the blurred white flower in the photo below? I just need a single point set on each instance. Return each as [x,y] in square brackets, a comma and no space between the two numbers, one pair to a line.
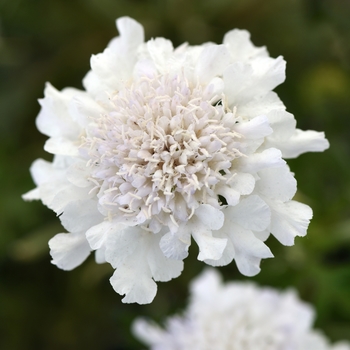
[236,316]
[167,144]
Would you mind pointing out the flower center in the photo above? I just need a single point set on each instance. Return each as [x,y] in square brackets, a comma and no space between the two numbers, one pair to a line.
[162,151]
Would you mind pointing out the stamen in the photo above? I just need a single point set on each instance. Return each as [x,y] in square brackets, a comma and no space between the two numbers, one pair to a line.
[132,153]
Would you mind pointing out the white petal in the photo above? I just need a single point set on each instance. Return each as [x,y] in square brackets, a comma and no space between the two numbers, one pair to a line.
[69,250]
[271,73]
[32,195]
[100,255]
[111,68]
[303,141]
[48,191]
[247,81]
[276,183]
[122,243]
[236,78]
[134,280]
[96,88]
[249,251]
[78,174]
[243,183]
[60,145]
[262,235]
[162,268]
[80,215]
[232,196]
[175,246]
[63,194]
[131,33]
[268,158]
[127,252]
[145,67]
[212,62]
[209,216]
[42,171]
[54,119]
[160,50]
[115,64]
[282,123]
[252,213]
[148,332]
[227,255]
[136,255]
[255,128]
[83,108]
[243,246]
[214,88]
[241,48]
[98,234]
[289,220]
[261,105]
[206,285]
[51,182]
[209,246]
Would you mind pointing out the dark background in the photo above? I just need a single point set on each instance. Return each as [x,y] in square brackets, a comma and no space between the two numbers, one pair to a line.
[42,307]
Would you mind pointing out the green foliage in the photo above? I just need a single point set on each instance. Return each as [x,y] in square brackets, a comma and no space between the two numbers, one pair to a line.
[42,307]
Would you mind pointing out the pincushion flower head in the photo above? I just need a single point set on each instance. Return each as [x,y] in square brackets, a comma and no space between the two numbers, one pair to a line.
[237,316]
[166,145]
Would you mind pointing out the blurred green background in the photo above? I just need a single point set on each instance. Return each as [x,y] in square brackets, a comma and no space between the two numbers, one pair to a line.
[42,307]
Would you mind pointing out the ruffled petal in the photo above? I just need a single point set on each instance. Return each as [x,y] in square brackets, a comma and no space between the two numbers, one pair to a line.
[282,123]
[100,255]
[43,171]
[249,251]
[80,215]
[69,250]
[98,234]
[136,255]
[62,146]
[78,174]
[162,268]
[289,220]
[243,246]
[255,128]
[134,280]
[82,109]
[175,245]
[240,47]
[261,105]
[209,216]
[160,50]
[115,64]
[63,194]
[212,62]
[303,141]
[209,247]
[54,119]
[229,252]
[246,81]
[252,213]
[269,158]
[276,183]
[131,33]
[243,183]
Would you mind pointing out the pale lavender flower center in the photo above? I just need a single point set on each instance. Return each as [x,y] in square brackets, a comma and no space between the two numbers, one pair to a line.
[162,150]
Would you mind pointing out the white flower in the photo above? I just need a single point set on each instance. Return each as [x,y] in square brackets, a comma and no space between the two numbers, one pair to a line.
[167,144]
[236,316]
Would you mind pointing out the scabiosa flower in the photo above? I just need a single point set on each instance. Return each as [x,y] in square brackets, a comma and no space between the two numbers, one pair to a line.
[166,145]
[237,316]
